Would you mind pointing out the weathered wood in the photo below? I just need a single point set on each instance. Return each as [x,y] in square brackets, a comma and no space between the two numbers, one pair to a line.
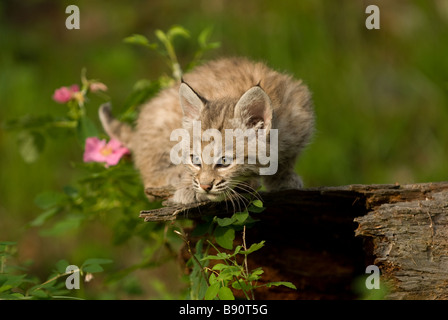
[311,239]
[410,245]
[369,197]
[160,193]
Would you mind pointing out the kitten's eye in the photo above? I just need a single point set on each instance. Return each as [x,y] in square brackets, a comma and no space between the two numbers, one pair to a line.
[224,162]
[195,160]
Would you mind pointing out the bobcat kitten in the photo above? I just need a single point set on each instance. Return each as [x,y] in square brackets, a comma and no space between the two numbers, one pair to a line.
[223,94]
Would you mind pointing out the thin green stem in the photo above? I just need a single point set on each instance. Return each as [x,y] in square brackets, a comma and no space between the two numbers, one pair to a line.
[235,264]
[184,238]
[245,262]
[55,278]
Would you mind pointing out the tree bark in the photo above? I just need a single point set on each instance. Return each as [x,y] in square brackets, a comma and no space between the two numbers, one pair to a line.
[410,245]
[322,239]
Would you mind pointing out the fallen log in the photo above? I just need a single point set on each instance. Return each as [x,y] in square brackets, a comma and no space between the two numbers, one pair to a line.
[410,245]
[322,239]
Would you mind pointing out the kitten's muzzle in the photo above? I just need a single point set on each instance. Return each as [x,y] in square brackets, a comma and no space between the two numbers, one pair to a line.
[206,187]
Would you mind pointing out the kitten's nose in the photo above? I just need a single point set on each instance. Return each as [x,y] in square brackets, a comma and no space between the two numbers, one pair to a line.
[206,187]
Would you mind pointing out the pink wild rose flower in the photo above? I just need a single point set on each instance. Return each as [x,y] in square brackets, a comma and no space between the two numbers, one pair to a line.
[99,151]
[65,94]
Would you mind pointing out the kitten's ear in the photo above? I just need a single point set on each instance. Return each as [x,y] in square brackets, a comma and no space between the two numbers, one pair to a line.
[255,109]
[190,101]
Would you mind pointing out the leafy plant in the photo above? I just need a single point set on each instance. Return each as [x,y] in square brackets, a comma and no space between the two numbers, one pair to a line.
[167,50]
[15,284]
[110,190]
[229,270]
[112,193]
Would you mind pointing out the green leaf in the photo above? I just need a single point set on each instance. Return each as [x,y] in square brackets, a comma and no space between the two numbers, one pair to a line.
[61,266]
[255,274]
[219,256]
[13,281]
[241,217]
[140,40]
[237,218]
[71,191]
[13,296]
[257,203]
[281,283]
[233,270]
[224,236]
[64,226]
[203,40]
[177,31]
[211,257]
[241,285]
[46,285]
[40,294]
[92,268]
[198,285]
[219,266]
[256,206]
[94,265]
[204,36]
[40,219]
[4,288]
[237,250]
[253,247]
[161,36]
[225,293]
[48,199]
[255,209]
[212,291]
[198,248]
[30,144]
[212,279]
[229,273]
[224,222]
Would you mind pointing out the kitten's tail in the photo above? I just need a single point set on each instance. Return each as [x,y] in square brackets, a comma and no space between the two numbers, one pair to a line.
[114,128]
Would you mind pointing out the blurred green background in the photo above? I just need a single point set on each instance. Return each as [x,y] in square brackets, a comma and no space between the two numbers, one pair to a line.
[381,96]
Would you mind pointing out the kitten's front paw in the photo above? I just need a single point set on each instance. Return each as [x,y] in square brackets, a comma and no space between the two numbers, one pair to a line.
[294,182]
[183,196]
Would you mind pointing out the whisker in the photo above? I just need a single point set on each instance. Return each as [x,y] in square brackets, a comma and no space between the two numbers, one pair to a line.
[225,199]
[250,190]
[238,198]
[247,188]
[228,195]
